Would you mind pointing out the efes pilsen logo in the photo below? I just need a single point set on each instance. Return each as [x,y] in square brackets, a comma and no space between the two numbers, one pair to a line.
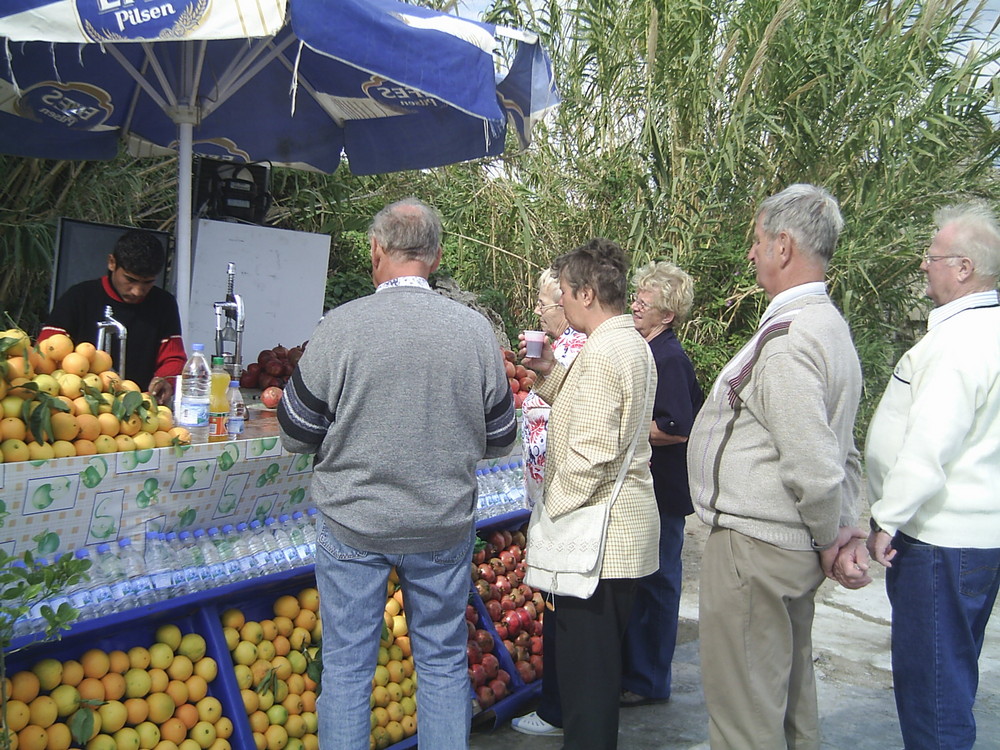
[79,106]
[397,97]
[121,20]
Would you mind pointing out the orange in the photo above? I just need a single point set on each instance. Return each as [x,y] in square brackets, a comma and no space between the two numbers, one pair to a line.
[306,619]
[173,730]
[91,688]
[137,710]
[43,365]
[284,625]
[187,713]
[82,406]
[286,606]
[259,721]
[18,715]
[12,428]
[63,449]
[90,426]
[109,378]
[269,629]
[180,668]
[114,686]
[71,387]
[158,680]
[105,444]
[119,661]
[65,426]
[75,364]
[110,424]
[251,701]
[131,425]
[161,707]
[32,737]
[84,447]
[43,711]
[59,737]
[124,442]
[56,347]
[40,451]
[100,362]
[309,599]
[177,690]
[86,349]
[72,672]
[197,688]
[19,367]
[24,686]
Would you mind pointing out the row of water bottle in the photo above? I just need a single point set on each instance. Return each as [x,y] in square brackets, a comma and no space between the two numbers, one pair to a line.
[173,564]
[501,489]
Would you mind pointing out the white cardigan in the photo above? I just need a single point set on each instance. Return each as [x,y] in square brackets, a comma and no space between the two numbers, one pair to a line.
[933,449]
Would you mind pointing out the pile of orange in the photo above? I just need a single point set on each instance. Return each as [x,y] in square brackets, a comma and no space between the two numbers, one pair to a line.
[63,371]
[271,660]
[153,698]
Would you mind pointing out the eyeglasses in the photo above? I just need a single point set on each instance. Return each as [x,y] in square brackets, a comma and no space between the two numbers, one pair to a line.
[638,303]
[931,258]
[542,308]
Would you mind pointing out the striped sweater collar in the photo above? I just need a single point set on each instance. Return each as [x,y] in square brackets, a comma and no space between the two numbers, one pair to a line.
[968,302]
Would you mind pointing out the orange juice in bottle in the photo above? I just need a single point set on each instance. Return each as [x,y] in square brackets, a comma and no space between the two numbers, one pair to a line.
[218,403]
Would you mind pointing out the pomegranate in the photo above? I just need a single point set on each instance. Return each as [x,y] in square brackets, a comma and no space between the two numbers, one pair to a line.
[271,396]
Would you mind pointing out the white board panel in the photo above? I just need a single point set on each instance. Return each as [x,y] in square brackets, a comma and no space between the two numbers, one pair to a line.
[280,273]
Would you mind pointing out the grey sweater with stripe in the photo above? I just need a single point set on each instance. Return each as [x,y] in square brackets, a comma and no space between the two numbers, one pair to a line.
[399,394]
[772,452]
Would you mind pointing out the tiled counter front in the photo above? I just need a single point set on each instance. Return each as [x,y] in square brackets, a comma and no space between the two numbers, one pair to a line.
[56,506]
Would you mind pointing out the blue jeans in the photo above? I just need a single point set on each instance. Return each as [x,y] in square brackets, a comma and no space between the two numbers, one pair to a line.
[941,601]
[352,586]
[648,648]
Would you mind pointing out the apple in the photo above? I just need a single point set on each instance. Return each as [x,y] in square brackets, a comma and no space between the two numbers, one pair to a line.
[271,396]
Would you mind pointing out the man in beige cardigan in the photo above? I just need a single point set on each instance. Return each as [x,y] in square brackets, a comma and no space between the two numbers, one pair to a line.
[598,405]
[775,473]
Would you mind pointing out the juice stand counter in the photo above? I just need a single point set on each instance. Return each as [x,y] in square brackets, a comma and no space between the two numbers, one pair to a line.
[58,505]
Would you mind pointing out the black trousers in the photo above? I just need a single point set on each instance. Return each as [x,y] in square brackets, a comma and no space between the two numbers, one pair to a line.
[588,662]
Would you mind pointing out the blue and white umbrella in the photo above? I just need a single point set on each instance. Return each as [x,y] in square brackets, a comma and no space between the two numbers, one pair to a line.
[298,83]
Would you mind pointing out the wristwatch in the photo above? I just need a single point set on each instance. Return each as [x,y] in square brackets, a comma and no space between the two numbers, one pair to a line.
[873,524]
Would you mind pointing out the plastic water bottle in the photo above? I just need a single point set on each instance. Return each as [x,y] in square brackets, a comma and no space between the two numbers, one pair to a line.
[192,407]
[214,570]
[189,565]
[506,499]
[304,523]
[32,621]
[284,548]
[488,505]
[117,579]
[298,539]
[159,566]
[243,545]
[228,544]
[135,569]
[261,542]
[80,594]
[236,422]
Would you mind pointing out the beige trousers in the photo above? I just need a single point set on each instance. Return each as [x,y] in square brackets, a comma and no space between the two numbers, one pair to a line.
[755,625]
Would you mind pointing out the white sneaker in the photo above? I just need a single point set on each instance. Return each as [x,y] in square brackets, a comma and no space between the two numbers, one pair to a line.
[534,724]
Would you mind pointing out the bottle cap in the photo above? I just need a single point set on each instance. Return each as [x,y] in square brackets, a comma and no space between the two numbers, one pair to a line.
[220,361]
[125,542]
[198,347]
[234,384]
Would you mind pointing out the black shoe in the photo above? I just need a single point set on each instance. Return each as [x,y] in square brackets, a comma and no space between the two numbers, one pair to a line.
[629,699]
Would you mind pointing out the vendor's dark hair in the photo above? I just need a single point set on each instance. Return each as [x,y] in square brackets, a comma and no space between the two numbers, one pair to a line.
[599,264]
[139,252]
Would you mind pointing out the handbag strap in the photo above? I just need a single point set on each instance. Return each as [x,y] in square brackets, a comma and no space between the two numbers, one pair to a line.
[643,428]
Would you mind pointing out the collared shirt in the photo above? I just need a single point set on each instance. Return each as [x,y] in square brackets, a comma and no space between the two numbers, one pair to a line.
[968,302]
[419,281]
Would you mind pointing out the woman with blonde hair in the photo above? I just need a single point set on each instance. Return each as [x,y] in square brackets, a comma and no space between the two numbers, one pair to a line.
[663,298]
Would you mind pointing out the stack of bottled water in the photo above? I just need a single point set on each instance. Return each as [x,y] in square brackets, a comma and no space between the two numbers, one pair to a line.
[173,564]
[501,489]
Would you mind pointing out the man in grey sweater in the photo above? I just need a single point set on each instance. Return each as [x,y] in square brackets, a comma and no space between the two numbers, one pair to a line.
[399,395]
[775,473]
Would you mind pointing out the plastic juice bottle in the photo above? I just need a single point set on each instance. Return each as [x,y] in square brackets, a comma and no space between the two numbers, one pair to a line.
[218,402]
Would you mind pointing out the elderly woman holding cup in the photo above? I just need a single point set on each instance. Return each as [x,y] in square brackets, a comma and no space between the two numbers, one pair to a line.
[566,344]
[663,298]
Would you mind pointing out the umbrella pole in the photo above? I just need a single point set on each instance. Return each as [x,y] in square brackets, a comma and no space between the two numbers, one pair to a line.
[183,236]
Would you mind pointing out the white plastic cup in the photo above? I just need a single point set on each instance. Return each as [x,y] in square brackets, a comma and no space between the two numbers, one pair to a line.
[533,341]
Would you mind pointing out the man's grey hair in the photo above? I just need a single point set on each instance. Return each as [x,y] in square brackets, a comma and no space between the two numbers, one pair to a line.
[977,236]
[408,229]
[809,214]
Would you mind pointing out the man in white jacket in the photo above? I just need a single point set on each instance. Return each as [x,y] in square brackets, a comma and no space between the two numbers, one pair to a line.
[933,460]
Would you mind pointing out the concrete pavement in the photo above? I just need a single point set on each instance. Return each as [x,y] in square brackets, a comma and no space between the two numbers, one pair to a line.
[851,650]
